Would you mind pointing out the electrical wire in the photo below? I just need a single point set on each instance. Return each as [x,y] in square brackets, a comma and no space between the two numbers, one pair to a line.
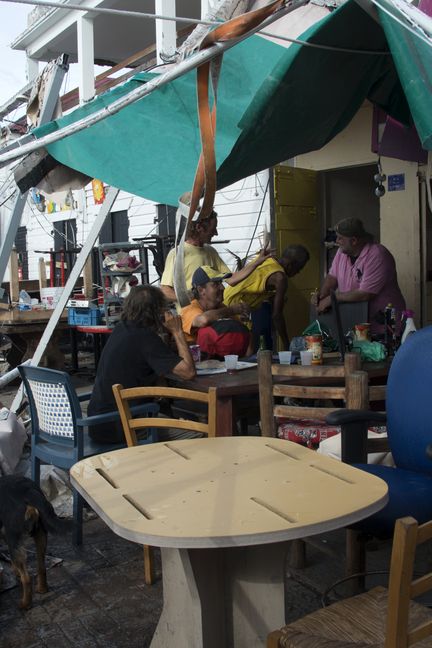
[258,219]
[35,213]
[112,12]
[8,198]
[231,199]
[180,19]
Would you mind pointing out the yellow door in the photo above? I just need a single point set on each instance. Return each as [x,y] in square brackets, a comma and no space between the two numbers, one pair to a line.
[296,222]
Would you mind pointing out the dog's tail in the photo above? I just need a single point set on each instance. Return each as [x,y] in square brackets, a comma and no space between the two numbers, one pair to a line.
[49,518]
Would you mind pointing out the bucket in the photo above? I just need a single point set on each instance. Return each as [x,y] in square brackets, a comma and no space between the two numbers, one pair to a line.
[50,297]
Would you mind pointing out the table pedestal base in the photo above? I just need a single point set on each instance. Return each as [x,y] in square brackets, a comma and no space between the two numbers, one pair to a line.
[231,597]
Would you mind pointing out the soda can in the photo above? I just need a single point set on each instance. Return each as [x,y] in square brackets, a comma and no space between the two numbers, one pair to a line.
[195,352]
[314,343]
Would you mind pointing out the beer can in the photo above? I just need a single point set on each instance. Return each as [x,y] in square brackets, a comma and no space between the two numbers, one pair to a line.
[195,352]
[314,344]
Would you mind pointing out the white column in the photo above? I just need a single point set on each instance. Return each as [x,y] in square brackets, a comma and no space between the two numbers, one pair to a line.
[205,6]
[165,29]
[85,58]
[32,69]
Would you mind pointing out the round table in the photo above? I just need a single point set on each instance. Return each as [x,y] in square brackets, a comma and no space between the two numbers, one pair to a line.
[223,509]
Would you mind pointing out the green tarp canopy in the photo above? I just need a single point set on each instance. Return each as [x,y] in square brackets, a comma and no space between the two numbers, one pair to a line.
[273,103]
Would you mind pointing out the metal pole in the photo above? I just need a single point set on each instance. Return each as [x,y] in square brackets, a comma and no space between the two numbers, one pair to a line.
[51,97]
[72,279]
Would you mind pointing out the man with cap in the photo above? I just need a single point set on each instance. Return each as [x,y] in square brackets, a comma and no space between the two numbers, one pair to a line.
[362,271]
[208,310]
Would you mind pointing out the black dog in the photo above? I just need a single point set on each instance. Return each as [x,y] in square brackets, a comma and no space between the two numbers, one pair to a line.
[24,510]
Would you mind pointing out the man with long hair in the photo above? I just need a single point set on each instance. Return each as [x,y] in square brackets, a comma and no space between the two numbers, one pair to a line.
[135,354]
[198,252]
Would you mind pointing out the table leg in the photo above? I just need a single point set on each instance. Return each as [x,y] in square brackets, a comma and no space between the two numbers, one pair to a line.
[224,416]
[97,349]
[74,348]
[221,597]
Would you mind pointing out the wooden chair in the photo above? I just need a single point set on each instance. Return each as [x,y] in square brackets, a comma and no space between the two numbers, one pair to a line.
[379,618]
[316,383]
[131,424]
[343,383]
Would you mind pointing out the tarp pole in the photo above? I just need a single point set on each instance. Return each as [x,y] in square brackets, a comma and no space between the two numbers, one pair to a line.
[47,112]
[70,283]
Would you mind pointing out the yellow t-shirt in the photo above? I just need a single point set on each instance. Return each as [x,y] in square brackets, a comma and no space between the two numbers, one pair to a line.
[194,257]
[252,290]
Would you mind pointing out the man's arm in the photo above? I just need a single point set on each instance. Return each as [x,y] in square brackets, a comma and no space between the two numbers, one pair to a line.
[207,317]
[321,299]
[238,276]
[169,293]
[330,283]
[278,281]
[167,279]
[186,367]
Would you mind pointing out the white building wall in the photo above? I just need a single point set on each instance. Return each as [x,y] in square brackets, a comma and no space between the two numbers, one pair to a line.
[242,209]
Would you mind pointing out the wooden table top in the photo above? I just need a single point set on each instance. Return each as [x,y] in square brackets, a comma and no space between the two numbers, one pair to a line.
[246,380]
[222,492]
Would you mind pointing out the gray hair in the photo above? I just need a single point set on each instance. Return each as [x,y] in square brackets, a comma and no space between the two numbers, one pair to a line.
[296,253]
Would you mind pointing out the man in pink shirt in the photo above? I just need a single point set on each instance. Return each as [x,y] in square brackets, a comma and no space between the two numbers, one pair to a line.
[362,271]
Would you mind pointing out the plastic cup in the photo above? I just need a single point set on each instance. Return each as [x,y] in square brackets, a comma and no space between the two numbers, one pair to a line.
[231,363]
[306,357]
[285,357]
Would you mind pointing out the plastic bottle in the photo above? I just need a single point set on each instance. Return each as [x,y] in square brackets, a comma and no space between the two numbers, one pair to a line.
[410,327]
[390,329]
[24,301]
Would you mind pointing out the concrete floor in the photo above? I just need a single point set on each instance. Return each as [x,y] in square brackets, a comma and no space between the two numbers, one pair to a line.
[97,596]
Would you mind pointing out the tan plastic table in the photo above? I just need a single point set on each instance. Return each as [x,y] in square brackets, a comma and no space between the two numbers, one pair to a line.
[222,510]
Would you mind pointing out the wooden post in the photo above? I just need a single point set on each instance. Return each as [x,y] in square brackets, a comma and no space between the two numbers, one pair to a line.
[357,390]
[88,278]
[265,381]
[13,276]
[352,362]
[42,273]
[354,435]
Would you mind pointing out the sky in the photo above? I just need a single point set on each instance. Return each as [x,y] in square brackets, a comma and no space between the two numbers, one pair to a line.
[13,21]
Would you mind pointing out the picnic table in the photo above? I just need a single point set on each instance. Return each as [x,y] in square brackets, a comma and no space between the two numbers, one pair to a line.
[25,330]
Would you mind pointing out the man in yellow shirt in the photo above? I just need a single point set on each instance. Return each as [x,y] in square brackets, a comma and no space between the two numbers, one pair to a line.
[268,282]
[198,252]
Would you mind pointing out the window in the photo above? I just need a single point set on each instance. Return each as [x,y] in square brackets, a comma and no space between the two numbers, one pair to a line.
[116,228]
[64,234]
[21,248]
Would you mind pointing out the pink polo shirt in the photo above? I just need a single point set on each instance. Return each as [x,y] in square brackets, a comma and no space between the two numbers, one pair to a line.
[374,271]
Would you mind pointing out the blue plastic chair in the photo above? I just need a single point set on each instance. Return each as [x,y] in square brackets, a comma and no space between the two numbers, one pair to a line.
[59,435]
[409,429]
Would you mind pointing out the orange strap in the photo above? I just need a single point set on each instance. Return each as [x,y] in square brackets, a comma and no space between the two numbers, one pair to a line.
[205,176]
